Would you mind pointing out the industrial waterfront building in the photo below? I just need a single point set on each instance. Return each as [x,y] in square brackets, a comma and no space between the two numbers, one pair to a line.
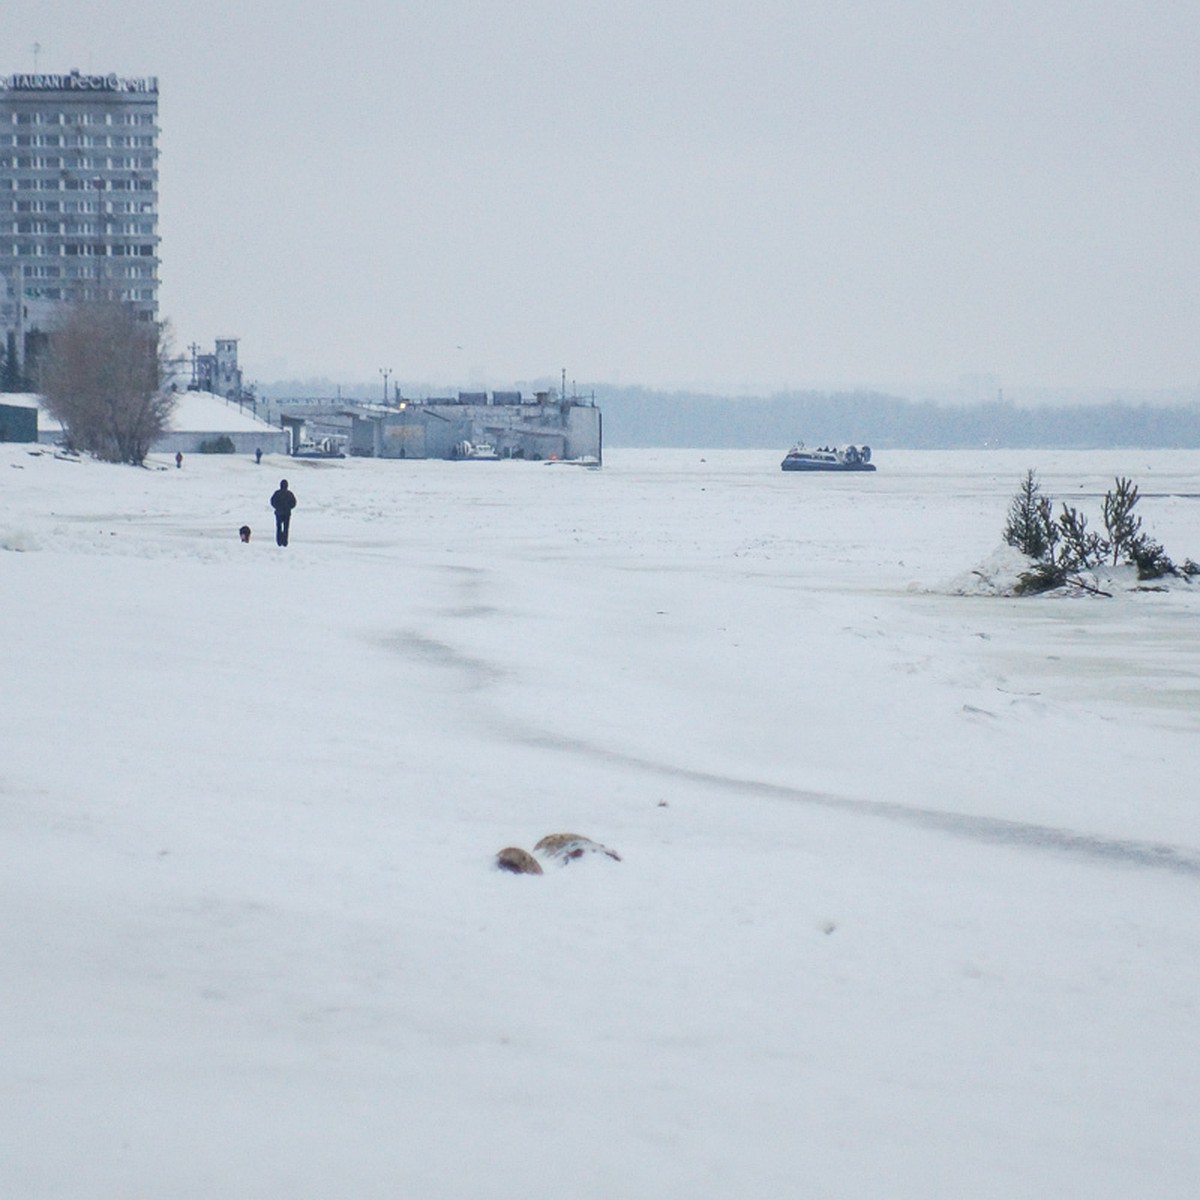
[78,200]
[545,426]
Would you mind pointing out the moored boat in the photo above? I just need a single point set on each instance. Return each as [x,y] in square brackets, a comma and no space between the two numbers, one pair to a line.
[476,452]
[828,458]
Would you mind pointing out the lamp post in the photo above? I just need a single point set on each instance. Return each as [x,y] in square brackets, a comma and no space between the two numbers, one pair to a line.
[385,372]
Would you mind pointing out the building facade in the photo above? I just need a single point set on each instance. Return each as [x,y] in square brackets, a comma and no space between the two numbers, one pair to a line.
[219,372]
[544,427]
[78,200]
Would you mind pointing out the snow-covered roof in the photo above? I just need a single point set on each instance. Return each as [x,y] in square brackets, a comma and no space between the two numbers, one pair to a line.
[202,412]
[195,412]
[20,399]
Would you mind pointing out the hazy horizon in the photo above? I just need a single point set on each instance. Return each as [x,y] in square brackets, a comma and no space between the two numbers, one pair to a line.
[965,393]
[738,198]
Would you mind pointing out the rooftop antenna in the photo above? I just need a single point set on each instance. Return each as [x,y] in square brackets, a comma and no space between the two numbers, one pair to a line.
[37,49]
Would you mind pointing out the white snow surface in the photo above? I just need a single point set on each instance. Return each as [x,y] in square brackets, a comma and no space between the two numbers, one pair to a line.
[909,895]
[202,412]
[194,412]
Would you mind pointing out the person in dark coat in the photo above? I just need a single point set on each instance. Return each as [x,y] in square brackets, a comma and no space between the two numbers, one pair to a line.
[282,502]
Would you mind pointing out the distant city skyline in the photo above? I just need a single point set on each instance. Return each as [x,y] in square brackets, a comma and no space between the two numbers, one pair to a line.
[733,198]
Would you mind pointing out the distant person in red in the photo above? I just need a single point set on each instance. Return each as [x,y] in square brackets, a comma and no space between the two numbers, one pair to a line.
[282,502]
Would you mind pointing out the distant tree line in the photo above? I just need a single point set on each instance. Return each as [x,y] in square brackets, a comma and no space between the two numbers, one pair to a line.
[640,417]
[636,416]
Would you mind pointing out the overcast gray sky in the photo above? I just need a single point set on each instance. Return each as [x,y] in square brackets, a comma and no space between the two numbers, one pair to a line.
[720,194]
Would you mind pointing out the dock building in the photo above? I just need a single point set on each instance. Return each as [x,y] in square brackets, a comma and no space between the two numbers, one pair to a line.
[543,426]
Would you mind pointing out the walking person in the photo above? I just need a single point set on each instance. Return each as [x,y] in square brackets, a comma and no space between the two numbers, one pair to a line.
[282,502]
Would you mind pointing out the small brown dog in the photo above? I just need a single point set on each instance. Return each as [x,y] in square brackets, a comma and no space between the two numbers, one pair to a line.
[244,533]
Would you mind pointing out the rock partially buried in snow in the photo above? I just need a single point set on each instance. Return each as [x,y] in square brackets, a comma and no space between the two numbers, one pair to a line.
[518,861]
[558,848]
[563,847]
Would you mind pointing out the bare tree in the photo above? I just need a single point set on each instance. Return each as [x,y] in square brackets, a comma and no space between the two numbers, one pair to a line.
[104,381]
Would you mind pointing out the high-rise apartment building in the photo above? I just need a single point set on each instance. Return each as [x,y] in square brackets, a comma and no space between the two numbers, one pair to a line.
[78,199]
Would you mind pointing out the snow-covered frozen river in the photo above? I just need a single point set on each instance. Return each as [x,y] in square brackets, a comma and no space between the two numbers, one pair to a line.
[909,895]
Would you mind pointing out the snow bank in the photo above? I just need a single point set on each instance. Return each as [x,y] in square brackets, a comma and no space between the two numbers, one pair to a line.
[17,539]
[997,575]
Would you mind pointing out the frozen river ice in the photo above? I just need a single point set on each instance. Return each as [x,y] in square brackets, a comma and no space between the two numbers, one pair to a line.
[908,899]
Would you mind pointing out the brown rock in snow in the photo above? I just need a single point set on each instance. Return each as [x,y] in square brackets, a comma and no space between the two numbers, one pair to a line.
[518,861]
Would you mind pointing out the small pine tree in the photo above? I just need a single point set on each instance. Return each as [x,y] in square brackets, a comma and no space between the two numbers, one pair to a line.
[1081,548]
[1151,560]
[1065,545]
[1122,526]
[1050,529]
[1030,521]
